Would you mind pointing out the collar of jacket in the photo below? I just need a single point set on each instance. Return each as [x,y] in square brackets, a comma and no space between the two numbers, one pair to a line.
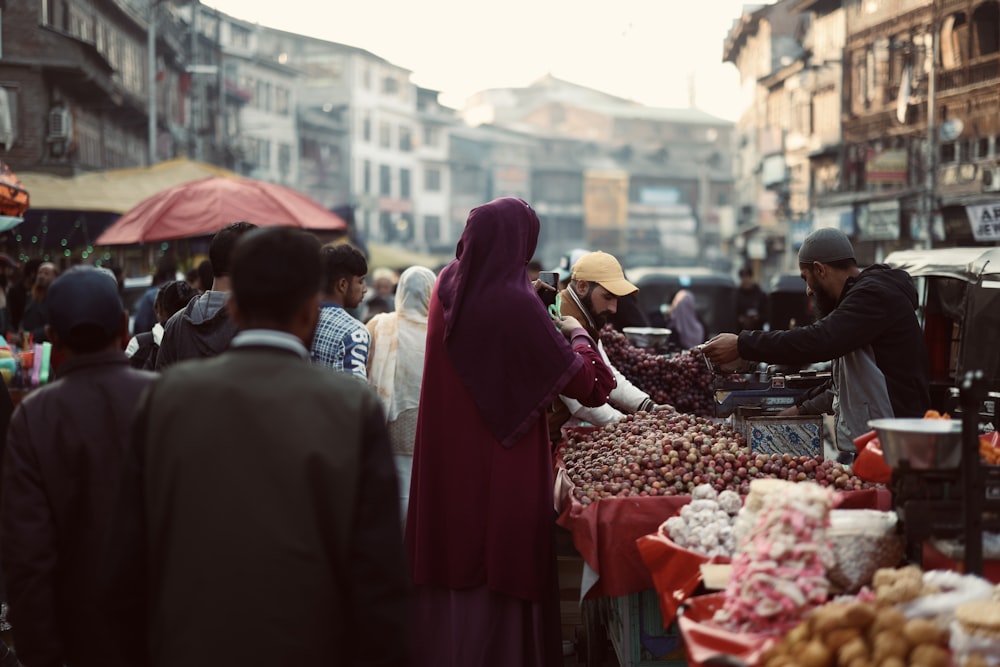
[573,307]
[78,362]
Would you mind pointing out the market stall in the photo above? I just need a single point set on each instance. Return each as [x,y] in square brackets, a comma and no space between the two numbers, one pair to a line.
[619,487]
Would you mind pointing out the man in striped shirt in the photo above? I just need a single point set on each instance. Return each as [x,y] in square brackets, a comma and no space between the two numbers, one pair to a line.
[341,341]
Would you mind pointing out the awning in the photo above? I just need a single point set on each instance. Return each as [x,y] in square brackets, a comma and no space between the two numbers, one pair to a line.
[115,191]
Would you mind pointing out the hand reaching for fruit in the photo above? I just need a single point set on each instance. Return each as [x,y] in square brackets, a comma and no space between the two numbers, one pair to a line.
[723,349]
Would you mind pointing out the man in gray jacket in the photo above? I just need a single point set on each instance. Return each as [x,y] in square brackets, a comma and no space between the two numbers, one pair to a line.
[204,328]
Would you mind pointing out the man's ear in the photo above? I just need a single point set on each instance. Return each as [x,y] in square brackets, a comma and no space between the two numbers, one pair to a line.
[343,285]
[580,287]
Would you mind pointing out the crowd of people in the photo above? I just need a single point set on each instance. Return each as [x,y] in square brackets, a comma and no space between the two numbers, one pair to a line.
[277,470]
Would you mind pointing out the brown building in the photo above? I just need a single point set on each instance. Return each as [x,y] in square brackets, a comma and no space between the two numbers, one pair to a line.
[967,102]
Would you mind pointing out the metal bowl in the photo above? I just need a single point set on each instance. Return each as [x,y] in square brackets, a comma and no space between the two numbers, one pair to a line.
[647,336]
[924,444]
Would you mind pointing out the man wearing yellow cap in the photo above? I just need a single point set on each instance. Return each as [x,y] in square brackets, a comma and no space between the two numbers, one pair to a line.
[595,285]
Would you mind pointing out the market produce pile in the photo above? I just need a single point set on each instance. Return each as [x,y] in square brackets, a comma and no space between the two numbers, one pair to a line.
[780,568]
[666,454]
[682,380]
[705,525]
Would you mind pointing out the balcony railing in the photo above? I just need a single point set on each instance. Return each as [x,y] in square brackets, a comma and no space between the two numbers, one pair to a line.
[982,72]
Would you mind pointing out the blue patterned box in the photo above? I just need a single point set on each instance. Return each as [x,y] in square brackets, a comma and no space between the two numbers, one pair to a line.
[798,436]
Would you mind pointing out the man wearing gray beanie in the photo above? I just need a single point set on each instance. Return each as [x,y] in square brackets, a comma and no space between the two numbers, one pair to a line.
[869,329]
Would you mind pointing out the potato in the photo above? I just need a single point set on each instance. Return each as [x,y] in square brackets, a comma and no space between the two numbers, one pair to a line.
[859,615]
[889,618]
[976,660]
[924,631]
[888,644]
[815,654]
[837,638]
[929,655]
[892,662]
[798,634]
[828,617]
[860,662]
[856,648]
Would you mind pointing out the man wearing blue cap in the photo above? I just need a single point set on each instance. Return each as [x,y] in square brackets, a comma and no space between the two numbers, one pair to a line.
[61,470]
[868,328]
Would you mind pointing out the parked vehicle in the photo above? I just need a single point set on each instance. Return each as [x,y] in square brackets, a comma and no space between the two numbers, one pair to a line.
[788,304]
[714,294]
[959,292]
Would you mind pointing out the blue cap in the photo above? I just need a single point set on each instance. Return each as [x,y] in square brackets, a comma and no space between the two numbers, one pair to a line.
[85,295]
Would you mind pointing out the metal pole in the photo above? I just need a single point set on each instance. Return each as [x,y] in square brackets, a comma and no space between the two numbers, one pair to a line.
[151,79]
[929,178]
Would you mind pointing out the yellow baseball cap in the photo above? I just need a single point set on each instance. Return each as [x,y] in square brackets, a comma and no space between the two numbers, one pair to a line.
[603,269]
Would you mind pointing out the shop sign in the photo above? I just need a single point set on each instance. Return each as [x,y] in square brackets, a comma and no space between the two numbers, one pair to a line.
[605,199]
[887,167]
[879,221]
[839,217]
[985,221]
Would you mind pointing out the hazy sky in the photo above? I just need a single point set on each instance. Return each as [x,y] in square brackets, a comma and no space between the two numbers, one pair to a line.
[645,50]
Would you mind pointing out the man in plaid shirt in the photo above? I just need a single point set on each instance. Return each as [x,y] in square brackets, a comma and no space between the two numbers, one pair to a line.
[341,341]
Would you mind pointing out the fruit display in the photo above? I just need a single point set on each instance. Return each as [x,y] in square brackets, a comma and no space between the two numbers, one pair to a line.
[682,380]
[665,454]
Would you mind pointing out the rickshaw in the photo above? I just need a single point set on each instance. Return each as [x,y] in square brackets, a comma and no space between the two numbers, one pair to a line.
[714,294]
[959,292]
[788,304]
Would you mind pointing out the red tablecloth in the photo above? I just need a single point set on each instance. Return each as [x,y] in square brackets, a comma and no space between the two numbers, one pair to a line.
[605,532]
[703,639]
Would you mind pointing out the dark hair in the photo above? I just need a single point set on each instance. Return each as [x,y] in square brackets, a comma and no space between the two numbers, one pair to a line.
[88,338]
[746,272]
[840,264]
[275,271]
[534,265]
[174,295]
[166,269]
[31,267]
[220,251]
[341,261]
[204,273]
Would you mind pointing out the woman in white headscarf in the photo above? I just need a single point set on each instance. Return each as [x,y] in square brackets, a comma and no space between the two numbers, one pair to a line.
[396,365]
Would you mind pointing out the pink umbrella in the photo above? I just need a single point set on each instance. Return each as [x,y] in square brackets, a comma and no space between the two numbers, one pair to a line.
[203,207]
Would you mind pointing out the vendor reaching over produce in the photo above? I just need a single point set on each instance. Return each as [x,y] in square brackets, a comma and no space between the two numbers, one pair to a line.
[596,283]
[868,328]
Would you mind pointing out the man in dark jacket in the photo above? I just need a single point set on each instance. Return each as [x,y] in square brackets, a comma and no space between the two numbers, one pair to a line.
[869,329]
[268,534]
[204,328]
[61,471]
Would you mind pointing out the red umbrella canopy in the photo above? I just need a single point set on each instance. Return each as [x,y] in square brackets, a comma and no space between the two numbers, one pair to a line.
[203,207]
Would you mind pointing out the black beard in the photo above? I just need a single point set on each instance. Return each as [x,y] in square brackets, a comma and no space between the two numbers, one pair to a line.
[823,303]
[599,320]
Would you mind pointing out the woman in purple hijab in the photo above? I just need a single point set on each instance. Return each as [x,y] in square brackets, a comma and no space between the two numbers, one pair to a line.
[479,530]
[684,322]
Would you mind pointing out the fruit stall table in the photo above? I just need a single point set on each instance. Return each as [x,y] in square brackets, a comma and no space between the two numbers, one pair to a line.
[617,592]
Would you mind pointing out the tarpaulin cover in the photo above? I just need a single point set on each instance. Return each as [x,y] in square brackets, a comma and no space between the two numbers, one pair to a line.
[605,533]
[676,571]
[203,207]
[704,639]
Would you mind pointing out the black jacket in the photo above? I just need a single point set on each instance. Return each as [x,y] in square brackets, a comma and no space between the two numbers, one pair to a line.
[876,309]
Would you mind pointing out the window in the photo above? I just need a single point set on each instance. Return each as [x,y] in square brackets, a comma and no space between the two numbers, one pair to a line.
[384,180]
[404,183]
[986,19]
[982,147]
[264,153]
[948,153]
[366,78]
[239,36]
[432,180]
[432,228]
[281,100]
[390,86]
[432,136]
[405,139]
[284,160]
[366,128]
[366,177]
[384,135]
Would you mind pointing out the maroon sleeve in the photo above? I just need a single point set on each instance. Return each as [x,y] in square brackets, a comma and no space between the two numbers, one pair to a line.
[593,383]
